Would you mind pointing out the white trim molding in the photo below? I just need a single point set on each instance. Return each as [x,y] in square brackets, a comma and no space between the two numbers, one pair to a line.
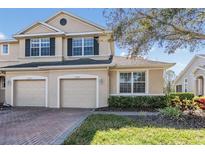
[17,78]
[78,76]
[39,34]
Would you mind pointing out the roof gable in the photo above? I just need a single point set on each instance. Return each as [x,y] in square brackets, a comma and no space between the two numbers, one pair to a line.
[39,28]
[74,24]
[193,60]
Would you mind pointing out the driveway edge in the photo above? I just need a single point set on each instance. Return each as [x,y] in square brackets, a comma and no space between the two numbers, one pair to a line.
[68,132]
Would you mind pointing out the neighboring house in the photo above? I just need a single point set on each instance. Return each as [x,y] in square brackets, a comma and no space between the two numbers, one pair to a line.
[67,61]
[191,79]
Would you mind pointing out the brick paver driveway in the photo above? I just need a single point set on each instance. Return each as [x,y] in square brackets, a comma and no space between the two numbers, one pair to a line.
[38,125]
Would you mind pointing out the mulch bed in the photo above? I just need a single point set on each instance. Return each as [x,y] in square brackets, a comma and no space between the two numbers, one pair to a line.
[125,110]
[184,122]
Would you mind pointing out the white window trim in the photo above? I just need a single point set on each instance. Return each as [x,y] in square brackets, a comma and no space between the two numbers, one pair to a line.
[83,53]
[132,71]
[29,78]
[77,76]
[39,48]
[185,84]
[2,47]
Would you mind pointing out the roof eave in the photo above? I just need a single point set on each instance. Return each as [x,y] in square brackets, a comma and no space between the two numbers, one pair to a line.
[167,66]
[56,67]
[36,35]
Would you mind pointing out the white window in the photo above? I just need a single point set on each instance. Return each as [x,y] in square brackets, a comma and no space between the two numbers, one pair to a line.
[132,82]
[40,47]
[185,85]
[5,49]
[82,46]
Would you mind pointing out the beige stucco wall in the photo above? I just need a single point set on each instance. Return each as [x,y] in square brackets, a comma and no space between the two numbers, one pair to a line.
[155,81]
[13,52]
[73,25]
[52,83]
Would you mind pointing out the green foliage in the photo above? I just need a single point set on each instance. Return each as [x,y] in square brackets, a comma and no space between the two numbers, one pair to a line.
[182,95]
[171,112]
[139,29]
[149,102]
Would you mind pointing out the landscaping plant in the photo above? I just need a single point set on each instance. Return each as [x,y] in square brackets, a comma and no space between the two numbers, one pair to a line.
[171,112]
[201,101]
[182,95]
[185,105]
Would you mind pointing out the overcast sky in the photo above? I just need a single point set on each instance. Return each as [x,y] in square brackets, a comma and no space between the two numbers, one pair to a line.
[14,20]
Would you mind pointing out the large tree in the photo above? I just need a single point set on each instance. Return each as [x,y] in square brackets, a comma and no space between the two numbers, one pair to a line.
[139,30]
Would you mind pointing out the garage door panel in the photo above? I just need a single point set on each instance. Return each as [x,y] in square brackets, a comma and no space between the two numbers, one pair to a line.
[78,93]
[29,93]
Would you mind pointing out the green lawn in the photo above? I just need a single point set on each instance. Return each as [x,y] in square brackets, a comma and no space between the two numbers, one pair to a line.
[111,129]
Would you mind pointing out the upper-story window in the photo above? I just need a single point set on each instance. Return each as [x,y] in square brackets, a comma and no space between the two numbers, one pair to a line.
[40,47]
[5,49]
[83,46]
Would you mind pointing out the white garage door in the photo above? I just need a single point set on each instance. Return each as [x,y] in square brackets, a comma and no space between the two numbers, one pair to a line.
[78,93]
[29,93]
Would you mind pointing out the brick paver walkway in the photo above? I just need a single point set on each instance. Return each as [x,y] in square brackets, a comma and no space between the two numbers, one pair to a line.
[37,125]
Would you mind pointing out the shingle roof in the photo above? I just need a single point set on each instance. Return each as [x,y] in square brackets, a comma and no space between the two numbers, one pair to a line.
[80,61]
[116,61]
[139,62]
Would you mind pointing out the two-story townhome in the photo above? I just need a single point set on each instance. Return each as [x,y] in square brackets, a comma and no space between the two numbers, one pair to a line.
[67,61]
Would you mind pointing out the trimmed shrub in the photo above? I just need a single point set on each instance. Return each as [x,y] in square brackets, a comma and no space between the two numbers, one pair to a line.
[144,102]
[182,95]
[171,112]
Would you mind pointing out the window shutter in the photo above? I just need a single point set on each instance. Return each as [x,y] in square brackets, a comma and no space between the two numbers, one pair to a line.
[69,47]
[52,46]
[27,47]
[96,45]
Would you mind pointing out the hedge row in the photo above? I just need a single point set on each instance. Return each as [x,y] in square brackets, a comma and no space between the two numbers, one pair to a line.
[150,102]
[182,95]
